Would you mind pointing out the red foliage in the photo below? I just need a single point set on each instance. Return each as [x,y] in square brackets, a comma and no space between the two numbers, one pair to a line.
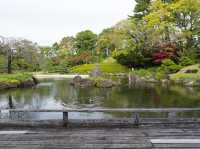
[83,58]
[165,51]
[160,56]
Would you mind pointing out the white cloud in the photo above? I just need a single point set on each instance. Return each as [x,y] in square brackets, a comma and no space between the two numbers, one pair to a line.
[47,21]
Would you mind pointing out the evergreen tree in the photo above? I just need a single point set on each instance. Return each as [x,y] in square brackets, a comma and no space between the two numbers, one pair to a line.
[141,8]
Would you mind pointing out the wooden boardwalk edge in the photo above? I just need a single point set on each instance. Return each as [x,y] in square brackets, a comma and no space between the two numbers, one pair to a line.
[103,123]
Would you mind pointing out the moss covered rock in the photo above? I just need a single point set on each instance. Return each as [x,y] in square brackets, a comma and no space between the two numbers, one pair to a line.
[9,81]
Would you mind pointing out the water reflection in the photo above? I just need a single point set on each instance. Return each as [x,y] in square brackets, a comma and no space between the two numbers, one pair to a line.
[10,102]
[57,94]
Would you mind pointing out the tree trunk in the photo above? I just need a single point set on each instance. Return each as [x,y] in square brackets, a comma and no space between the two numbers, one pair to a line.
[9,65]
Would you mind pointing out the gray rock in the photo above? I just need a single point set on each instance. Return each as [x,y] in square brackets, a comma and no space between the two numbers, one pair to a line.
[105,84]
[36,81]
[79,82]
[152,80]
[96,73]
[3,86]
[7,86]
[192,71]
[77,79]
[133,79]
[27,83]
[85,83]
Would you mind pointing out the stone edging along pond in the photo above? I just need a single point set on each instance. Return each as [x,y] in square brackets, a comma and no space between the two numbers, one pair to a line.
[187,81]
[99,82]
[29,80]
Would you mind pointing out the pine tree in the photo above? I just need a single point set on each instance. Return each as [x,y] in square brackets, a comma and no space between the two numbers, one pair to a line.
[141,9]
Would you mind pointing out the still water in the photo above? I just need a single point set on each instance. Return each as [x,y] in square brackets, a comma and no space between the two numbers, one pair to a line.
[57,94]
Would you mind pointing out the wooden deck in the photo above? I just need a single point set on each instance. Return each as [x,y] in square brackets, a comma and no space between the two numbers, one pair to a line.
[171,132]
[100,138]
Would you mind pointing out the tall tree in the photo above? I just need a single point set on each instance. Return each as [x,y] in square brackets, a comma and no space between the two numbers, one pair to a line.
[67,43]
[27,55]
[187,19]
[20,54]
[8,45]
[159,20]
[141,8]
[86,41]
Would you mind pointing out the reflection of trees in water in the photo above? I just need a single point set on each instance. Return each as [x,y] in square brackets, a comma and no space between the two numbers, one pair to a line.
[180,97]
[72,96]
[151,96]
[93,97]
[117,97]
[64,92]
[27,98]
[124,97]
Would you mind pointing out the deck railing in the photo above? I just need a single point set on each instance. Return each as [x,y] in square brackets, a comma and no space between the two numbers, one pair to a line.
[172,112]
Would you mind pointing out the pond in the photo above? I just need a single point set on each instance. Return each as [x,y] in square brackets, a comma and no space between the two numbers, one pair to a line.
[57,94]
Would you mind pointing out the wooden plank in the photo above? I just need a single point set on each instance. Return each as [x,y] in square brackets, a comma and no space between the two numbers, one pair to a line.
[98,138]
[57,146]
[68,142]
[177,146]
[175,141]
[110,110]
[117,146]
[156,134]
[13,132]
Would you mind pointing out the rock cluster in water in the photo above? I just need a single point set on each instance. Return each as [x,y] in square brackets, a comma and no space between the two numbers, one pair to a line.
[100,83]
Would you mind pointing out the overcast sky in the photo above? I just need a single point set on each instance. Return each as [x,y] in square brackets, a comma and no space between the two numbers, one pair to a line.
[47,21]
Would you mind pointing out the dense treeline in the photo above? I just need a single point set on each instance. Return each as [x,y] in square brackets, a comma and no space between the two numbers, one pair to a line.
[162,29]
[158,30]
[159,33]
[19,55]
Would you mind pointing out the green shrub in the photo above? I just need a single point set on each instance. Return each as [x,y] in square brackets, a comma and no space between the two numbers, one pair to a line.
[14,78]
[186,61]
[143,72]
[51,67]
[168,62]
[155,73]
[61,68]
[109,60]
[168,66]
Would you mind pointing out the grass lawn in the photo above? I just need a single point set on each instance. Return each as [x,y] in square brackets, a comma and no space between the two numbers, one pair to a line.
[104,67]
